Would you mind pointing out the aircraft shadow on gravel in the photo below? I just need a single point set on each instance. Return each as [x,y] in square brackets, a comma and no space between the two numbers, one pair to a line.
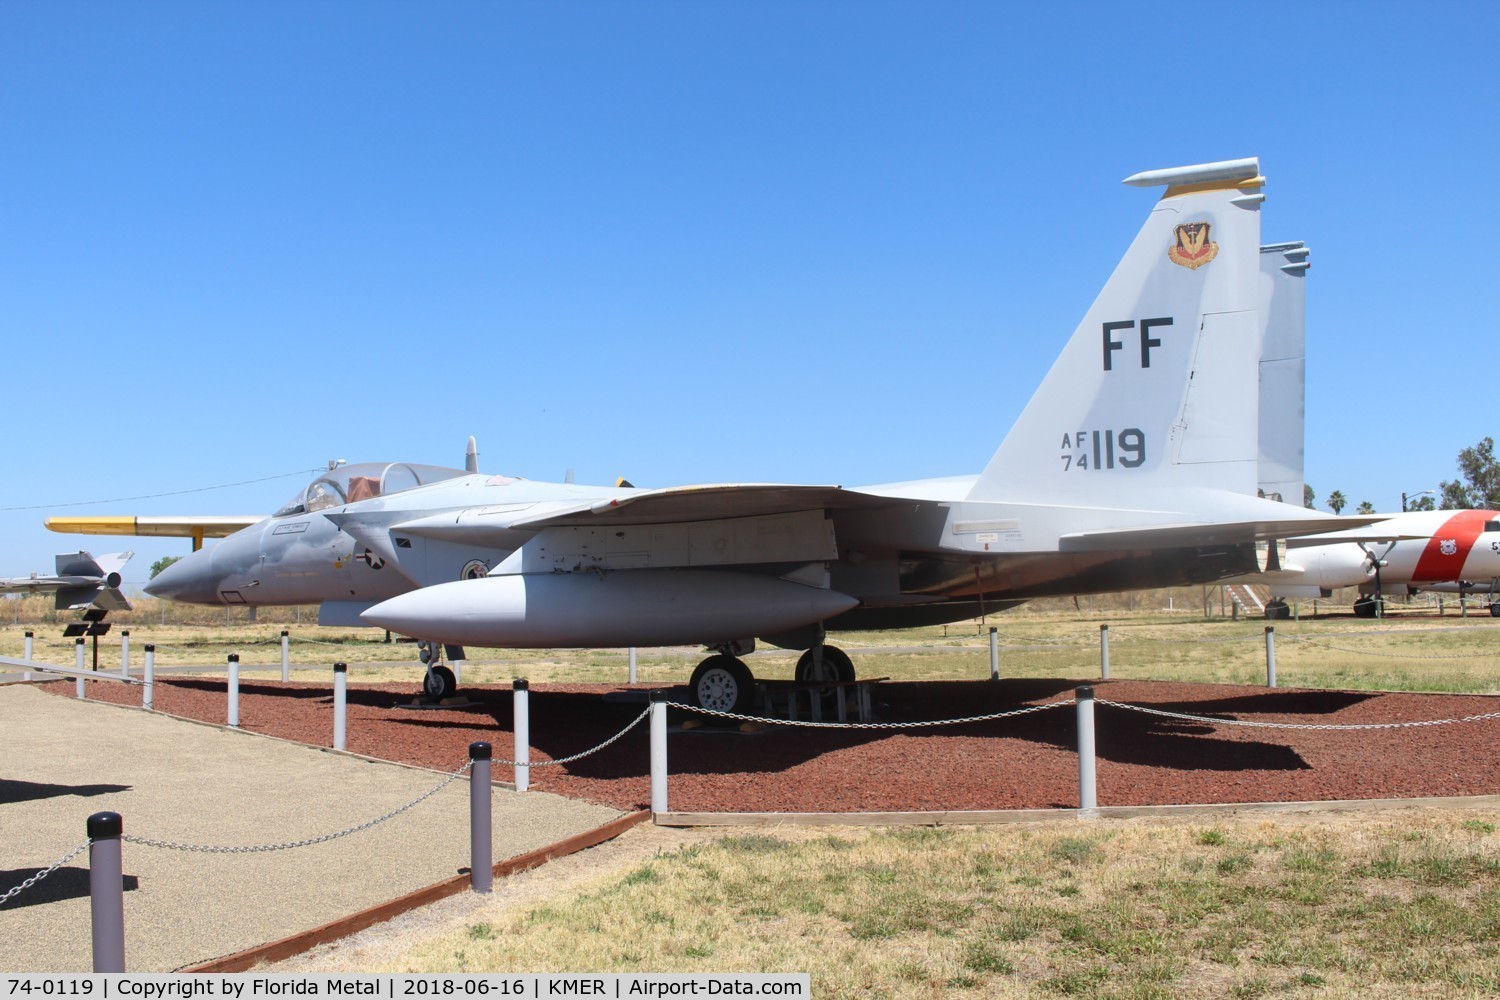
[12,790]
[563,724]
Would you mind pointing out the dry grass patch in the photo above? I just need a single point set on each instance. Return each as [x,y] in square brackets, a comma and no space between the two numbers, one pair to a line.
[1395,904]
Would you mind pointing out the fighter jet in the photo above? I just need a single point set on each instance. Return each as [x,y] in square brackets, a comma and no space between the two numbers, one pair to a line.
[82,582]
[1445,550]
[1137,464]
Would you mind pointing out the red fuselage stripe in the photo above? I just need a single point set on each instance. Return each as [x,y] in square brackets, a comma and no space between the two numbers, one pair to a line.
[1462,530]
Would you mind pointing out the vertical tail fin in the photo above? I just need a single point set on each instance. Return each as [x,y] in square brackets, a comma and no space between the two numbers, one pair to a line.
[1283,271]
[1158,387]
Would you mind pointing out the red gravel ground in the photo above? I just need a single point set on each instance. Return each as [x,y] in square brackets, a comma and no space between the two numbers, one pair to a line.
[1024,762]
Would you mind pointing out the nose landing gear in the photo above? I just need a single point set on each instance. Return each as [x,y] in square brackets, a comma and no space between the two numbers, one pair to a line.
[439,683]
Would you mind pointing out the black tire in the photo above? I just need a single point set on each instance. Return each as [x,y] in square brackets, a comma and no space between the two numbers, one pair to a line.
[1364,607]
[722,684]
[439,683]
[836,666]
[1495,610]
[1278,610]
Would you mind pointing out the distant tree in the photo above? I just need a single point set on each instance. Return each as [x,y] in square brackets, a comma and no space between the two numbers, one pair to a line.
[1309,498]
[1365,507]
[1337,501]
[162,564]
[1422,503]
[1480,486]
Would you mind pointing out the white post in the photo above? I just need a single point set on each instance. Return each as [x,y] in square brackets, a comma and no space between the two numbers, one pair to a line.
[286,657]
[148,690]
[79,665]
[125,653]
[1087,783]
[1270,656]
[632,665]
[994,653]
[340,702]
[27,675]
[481,851]
[1104,652]
[521,731]
[234,690]
[658,752]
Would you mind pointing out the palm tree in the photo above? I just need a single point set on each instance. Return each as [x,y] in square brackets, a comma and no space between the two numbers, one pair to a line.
[1365,507]
[1337,501]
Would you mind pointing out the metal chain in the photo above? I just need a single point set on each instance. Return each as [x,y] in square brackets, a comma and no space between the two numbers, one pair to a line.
[1185,642]
[577,756]
[260,848]
[1298,725]
[1402,656]
[868,725]
[45,872]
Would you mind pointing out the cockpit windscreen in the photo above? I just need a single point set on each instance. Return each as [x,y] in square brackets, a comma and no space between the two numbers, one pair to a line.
[353,483]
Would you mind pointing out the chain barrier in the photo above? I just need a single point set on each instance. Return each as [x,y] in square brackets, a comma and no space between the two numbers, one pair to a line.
[1401,656]
[1113,637]
[261,848]
[868,725]
[577,756]
[69,673]
[45,872]
[1298,725]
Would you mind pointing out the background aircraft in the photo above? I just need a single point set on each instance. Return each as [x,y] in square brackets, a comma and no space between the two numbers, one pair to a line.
[1136,464]
[83,581]
[1420,550]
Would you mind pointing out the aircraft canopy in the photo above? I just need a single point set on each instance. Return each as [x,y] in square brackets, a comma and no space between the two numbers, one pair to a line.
[352,483]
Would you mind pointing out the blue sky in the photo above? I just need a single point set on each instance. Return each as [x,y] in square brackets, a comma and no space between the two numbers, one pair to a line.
[690,242]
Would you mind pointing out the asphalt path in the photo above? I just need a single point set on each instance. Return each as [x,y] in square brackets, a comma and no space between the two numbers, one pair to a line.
[63,760]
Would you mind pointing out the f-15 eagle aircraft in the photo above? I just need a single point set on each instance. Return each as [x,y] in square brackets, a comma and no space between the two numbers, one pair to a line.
[83,581]
[1136,464]
[1420,550]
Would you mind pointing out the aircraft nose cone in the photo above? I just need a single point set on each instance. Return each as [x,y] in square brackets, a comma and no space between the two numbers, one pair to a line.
[190,579]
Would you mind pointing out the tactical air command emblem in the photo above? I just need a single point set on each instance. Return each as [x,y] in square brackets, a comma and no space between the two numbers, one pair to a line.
[1192,247]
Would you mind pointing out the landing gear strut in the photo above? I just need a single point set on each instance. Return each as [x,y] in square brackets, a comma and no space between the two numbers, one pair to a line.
[439,682]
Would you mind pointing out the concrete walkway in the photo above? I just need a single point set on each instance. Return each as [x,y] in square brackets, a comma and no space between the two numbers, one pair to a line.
[62,760]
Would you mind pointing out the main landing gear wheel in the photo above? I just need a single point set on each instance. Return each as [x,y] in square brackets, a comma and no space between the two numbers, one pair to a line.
[439,682]
[1495,610]
[1365,607]
[722,684]
[836,666]
[1276,608]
